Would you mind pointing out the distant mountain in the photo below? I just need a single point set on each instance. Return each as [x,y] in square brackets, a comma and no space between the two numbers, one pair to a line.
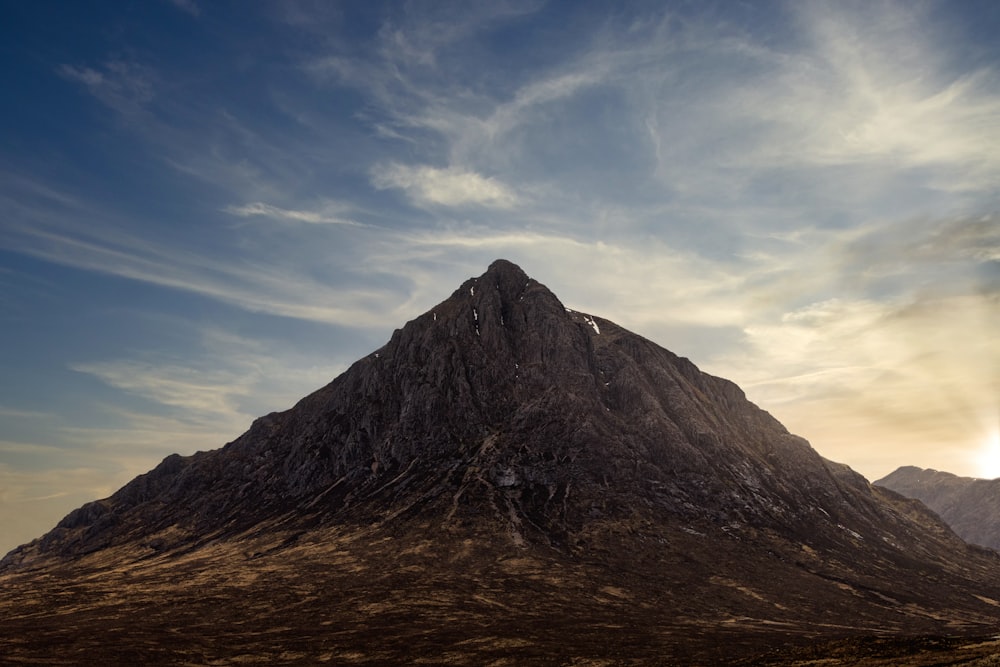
[505,481]
[970,506]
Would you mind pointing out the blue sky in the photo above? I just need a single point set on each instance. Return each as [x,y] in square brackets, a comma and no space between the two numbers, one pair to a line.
[208,210]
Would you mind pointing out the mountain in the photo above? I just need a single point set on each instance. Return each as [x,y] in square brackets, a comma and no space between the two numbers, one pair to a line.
[970,506]
[505,481]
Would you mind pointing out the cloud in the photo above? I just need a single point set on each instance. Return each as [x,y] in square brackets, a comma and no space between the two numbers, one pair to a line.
[935,252]
[127,87]
[902,99]
[15,413]
[32,501]
[452,186]
[280,281]
[188,6]
[222,382]
[419,33]
[421,94]
[868,84]
[730,129]
[194,391]
[874,380]
[876,342]
[493,137]
[262,288]
[260,209]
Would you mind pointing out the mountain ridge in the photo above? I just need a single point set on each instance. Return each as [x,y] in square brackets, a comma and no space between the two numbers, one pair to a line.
[971,506]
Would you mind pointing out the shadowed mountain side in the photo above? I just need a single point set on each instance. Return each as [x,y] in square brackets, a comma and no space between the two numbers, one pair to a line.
[970,506]
[506,478]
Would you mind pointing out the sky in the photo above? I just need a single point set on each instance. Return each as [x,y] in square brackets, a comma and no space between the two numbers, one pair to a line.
[210,209]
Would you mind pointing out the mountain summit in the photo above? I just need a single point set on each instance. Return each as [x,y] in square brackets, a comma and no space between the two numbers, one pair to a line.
[506,477]
[970,506]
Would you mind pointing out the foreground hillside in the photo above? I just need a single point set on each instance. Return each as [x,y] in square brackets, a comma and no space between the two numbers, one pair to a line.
[346,596]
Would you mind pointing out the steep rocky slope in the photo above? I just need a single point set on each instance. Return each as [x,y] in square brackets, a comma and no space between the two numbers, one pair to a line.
[504,479]
[970,506]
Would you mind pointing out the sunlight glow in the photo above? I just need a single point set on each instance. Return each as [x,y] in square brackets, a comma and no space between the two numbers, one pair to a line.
[988,460]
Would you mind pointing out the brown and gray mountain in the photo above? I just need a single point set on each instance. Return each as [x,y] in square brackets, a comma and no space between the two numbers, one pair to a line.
[504,482]
[970,506]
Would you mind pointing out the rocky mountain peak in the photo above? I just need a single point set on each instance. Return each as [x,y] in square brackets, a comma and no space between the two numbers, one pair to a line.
[503,451]
[500,410]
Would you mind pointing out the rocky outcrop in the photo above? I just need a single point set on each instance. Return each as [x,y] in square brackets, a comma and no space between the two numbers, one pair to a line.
[970,506]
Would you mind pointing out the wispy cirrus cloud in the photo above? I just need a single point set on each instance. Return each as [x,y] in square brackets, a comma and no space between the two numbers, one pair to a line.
[330,214]
[188,6]
[868,85]
[277,285]
[125,86]
[265,288]
[709,118]
[903,97]
[181,387]
[223,382]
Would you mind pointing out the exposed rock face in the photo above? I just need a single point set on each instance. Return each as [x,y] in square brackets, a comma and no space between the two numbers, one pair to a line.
[970,506]
[500,439]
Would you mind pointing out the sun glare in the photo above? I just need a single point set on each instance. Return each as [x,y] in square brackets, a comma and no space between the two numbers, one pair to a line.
[988,459]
